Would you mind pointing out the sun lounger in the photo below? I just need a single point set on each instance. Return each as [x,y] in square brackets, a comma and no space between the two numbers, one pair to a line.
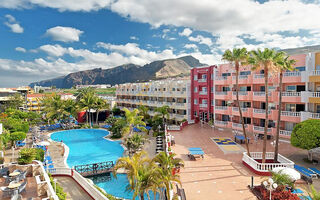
[195,153]
[305,172]
[195,149]
[315,170]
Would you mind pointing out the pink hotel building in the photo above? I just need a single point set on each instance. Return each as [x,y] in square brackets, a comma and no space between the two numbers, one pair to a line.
[212,95]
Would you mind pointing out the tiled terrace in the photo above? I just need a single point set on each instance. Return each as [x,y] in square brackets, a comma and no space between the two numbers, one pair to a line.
[218,175]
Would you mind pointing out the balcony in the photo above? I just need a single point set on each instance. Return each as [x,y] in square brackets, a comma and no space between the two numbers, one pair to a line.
[291,116]
[203,93]
[261,95]
[224,110]
[314,97]
[246,112]
[243,95]
[243,79]
[238,126]
[222,124]
[203,105]
[291,77]
[291,97]
[285,133]
[223,95]
[314,76]
[315,115]
[222,80]
[203,80]
[261,113]
[260,129]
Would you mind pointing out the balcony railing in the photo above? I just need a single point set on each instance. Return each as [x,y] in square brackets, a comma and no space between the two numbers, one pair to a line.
[202,80]
[260,111]
[290,114]
[291,94]
[315,115]
[203,92]
[315,94]
[315,73]
[258,76]
[241,93]
[285,133]
[292,74]
[203,105]
[238,125]
[221,122]
[240,77]
[221,107]
[260,128]
[259,93]
[221,93]
[221,78]
[236,109]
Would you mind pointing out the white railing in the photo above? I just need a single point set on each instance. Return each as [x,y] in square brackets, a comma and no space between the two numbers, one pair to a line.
[221,107]
[290,114]
[236,109]
[240,77]
[260,111]
[315,115]
[238,125]
[265,167]
[285,133]
[315,73]
[224,123]
[203,92]
[258,76]
[173,128]
[292,74]
[202,80]
[241,93]
[221,93]
[221,78]
[260,128]
[315,94]
[259,93]
[88,187]
[291,94]
[203,105]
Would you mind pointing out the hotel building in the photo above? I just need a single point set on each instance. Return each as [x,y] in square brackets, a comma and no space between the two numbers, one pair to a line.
[300,97]
[34,101]
[202,93]
[171,92]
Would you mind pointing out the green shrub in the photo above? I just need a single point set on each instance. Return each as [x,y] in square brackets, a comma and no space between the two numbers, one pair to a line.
[39,154]
[109,196]
[26,156]
[15,136]
[306,134]
[59,190]
[156,133]
[96,126]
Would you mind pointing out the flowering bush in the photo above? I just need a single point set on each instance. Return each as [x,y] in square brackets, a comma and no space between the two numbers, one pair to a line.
[277,194]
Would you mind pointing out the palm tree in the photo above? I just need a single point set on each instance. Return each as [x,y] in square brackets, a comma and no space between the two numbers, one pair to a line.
[98,105]
[87,103]
[265,60]
[143,111]
[283,65]
[134,142]
[133,120]
[163,112]
[314,194]
[238,57]
[168,163]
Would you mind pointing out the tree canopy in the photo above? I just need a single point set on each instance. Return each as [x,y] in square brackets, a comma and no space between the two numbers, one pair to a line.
[306,134]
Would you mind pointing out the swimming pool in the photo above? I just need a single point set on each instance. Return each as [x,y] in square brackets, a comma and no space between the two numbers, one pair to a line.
[88,146]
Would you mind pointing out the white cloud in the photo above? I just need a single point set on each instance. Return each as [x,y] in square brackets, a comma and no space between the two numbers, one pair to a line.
[201,40]
[13,24]
[53,50]
[186,32]
[21,49]
[191,46]
[64,34]
[134,38]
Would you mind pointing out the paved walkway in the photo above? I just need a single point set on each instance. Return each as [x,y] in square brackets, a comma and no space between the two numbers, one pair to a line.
[73,190]
[219,175]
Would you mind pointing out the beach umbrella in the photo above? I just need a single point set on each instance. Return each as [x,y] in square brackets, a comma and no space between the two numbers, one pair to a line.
[292,173]
[135,129]
[43,143]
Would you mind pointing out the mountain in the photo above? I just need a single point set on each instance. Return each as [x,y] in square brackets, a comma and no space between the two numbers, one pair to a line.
[125,73]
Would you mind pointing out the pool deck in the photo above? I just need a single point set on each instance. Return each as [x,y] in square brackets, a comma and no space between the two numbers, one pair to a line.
[73,190]
[218,175]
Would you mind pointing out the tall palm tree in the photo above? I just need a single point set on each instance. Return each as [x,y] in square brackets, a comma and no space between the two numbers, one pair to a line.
[163,112]
[143,110]
[238,57]
[87,103]
[265,60]
[100,104]
[133,120]
[167,163]
[134,142]
[132,166]
[283,65]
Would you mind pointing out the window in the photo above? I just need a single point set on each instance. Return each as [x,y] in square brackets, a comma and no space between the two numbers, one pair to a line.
[184,89]
[173,89]
[204,101]
[195,113]
[204,76]
[245,73]
[291,88]
[212,90]
[195,77]
[164,89]
[300,69]
[318,67]
[212,102]
[204,89]
[291,107]
[195,89]
[225,74]
[195,101]
[318,109]
[225,89]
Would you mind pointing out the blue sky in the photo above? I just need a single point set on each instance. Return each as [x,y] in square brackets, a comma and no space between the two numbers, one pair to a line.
[44,39]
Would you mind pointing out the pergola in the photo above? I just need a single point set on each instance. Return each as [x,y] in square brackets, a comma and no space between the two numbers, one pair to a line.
[314,154]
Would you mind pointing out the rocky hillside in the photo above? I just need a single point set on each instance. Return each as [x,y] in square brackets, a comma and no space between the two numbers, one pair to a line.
[125,73]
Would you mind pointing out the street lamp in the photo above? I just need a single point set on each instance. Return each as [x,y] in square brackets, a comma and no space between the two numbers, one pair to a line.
[271,185]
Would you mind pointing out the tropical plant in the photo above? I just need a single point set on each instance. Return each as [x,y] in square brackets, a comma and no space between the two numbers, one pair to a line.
[265,60]
[306,134]
[87,102]
[98,105]
[282,179]
[133,119]
[15,101]
[313,193]
[143,111]
[26,156]
[117,127]
[283,65]
[134,142]
[238,57]
[16,136]
[163,112]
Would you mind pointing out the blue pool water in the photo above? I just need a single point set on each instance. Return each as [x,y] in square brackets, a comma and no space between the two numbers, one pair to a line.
[88,146]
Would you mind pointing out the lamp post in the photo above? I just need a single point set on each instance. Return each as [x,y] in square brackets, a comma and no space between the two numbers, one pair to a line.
[271,185]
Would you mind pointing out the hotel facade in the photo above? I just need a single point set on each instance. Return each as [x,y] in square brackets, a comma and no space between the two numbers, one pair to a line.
[300,95]
[171,92]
